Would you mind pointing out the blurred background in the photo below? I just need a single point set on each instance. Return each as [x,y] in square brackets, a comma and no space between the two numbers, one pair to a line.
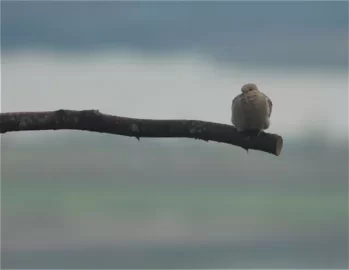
[73,199]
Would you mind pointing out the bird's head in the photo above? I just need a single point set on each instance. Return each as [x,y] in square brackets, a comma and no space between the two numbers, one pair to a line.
[248,87]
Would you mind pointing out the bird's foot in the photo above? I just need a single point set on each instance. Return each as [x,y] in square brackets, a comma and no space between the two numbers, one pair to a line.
[251,133]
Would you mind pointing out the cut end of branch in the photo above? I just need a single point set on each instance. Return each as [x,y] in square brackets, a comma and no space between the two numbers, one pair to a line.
[279,145]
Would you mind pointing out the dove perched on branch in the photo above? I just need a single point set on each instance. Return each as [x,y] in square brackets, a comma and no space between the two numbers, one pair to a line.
[251,110]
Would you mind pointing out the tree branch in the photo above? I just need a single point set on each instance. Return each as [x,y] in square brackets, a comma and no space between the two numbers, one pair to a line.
[93,120]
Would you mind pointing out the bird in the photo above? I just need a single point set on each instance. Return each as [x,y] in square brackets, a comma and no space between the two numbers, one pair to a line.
[251,110]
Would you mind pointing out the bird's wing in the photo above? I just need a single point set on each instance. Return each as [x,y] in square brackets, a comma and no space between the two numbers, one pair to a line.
[269,102]
[236,99]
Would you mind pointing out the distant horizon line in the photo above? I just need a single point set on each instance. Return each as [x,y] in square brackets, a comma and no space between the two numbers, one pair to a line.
[119,50]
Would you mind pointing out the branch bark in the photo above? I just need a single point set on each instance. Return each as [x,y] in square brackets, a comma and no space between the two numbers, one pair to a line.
[93,120]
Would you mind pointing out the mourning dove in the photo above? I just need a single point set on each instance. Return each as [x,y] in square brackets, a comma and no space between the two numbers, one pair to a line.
[251,110]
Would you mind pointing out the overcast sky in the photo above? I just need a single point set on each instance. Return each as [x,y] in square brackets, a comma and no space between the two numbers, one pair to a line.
[276,32]
[158,60]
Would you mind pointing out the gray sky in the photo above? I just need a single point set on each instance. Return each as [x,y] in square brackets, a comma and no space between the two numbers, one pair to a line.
[181,86]
[274,32]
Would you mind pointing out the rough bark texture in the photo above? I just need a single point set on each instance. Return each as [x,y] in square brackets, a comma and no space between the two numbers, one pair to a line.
[93,120]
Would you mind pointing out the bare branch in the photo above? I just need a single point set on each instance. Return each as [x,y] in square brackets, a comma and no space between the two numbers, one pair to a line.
[93,120]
